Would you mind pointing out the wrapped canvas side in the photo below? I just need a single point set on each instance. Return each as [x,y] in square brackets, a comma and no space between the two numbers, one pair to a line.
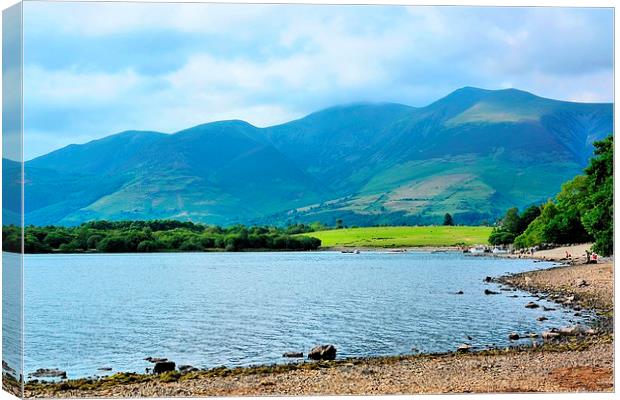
[12,202]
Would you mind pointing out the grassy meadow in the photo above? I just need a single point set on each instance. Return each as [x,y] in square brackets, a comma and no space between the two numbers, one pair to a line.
[403,236]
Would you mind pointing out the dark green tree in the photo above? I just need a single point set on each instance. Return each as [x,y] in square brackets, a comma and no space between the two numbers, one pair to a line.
[598,206]
[447,220]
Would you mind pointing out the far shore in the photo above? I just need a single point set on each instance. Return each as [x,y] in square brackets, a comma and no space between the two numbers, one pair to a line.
[573,363]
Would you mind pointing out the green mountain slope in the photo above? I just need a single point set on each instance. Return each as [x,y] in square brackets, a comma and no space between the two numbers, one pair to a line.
[472,153]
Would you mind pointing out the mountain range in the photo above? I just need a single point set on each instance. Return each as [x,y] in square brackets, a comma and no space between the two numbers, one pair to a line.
[473,153]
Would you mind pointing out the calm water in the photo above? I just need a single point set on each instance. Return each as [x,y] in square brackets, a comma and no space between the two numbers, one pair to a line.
[84,312]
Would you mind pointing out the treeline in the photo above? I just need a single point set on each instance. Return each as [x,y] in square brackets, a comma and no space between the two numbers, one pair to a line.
[155,236]
[581,212]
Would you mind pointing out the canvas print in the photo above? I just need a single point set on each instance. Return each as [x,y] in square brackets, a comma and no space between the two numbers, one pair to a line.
[217,199]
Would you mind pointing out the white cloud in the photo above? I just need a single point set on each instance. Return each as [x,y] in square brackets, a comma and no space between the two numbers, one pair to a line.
[73,87]
[286,61]
[104,18]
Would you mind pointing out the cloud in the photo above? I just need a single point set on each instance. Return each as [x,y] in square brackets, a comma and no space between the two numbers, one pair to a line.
[96,68]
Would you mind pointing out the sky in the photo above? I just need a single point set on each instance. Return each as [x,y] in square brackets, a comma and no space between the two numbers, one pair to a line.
[94,69]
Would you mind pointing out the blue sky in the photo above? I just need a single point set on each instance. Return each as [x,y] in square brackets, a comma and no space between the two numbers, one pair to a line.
[93,69]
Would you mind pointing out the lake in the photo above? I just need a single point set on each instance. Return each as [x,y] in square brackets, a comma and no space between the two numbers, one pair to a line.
[88,311]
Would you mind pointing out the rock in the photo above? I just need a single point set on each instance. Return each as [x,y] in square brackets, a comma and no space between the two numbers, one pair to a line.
[542,318]
[104,369]
[550,335]
[323,352]
[459,292]
[488,292]
[531,304]
[582,283]
[590,332]
[164,366]
[488,279]
[514,296]
[155,360]
[293,354]
[49,373]
[514,336]
[184,369]
[574,330]
[533,335]
[463,348]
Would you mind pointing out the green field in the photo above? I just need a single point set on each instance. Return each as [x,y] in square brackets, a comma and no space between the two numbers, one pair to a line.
[403,236]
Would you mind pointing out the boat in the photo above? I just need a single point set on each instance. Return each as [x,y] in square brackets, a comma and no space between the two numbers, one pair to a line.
[477,250]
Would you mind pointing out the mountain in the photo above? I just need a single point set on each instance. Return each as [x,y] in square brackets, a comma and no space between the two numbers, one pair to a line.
[473,153]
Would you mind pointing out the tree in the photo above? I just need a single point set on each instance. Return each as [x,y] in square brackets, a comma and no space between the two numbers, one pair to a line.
[511,221]
[447,220]
[598,205]
[529,215]
[339,224]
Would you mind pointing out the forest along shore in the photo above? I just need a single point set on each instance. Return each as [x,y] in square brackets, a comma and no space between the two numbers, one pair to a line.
[567,361]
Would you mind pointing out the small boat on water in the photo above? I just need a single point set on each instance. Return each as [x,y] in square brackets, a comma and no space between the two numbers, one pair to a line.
[477,250]
[356,251]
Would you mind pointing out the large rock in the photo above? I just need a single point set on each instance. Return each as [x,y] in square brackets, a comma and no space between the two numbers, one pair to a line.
[323,352]
[531,304]
[571,330]
[164,366]
[550,335]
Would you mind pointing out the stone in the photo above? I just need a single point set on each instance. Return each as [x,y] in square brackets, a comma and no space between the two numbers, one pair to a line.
[488,279]
[488,292]
[531,304]
[155,360]
[514,336]
[184,369]
[323,352]
[574,330]
[459,292]
[542,318]
[49,373]
[293,354]
[463,348]
[550,335]
[164,366]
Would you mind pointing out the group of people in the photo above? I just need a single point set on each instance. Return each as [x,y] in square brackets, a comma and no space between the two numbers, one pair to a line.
[591,257]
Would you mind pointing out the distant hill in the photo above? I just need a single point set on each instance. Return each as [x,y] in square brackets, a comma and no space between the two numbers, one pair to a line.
[472,153]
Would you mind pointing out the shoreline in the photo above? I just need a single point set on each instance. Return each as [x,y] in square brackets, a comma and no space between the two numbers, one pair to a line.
[284,379]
